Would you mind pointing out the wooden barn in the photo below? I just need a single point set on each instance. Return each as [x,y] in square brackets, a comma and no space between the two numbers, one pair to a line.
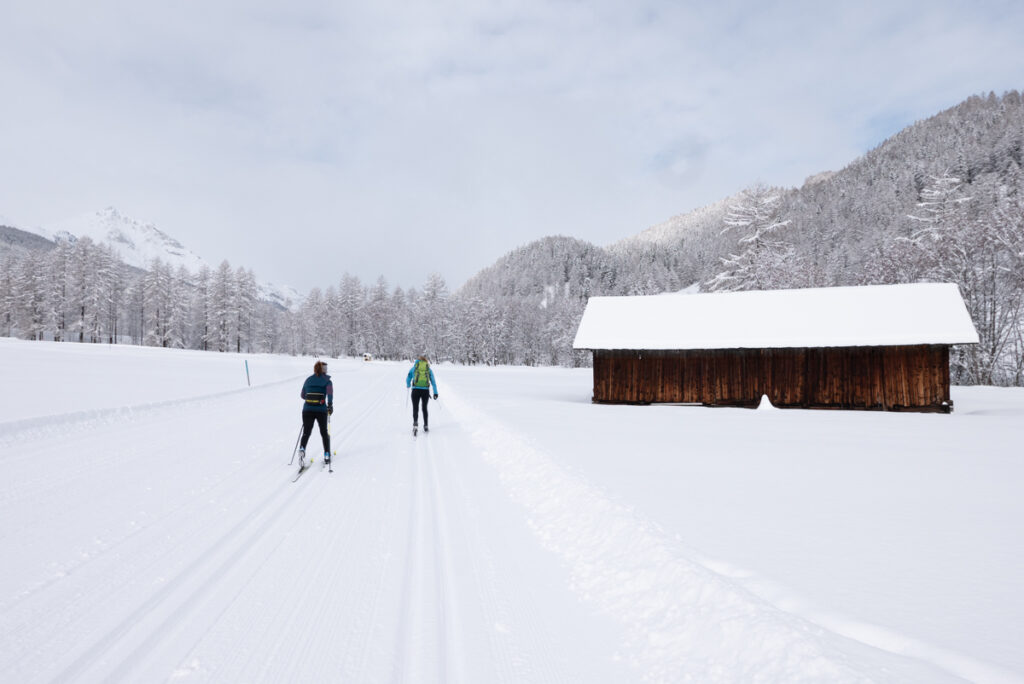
[881,347]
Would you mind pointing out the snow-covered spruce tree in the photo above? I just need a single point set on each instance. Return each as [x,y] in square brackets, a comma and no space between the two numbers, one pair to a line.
[7,311]
[220,307]
[108,270]
[86,290]
[377,315]
[156,294]
[943,248]
[479,330]
[30,297]
[432,317]
[399,326]
[992,280]
[941,238]
[114,300]
[57,274]
[331,323]
[310,326]
[180,316]
[245,296]
[762,261]
[200,320]
[350,300]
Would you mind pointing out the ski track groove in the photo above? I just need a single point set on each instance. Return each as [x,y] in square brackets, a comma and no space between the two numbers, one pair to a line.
[65,424]
[281,499]
[444,631]
[506,653]
[449,631]
[510,661]
[384,552]
[429,532]
[215,585]
[426,630]
[291,615]
[406,635]
[167,519]
[158,564]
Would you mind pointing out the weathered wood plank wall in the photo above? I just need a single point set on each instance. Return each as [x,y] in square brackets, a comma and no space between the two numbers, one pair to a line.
[876,378]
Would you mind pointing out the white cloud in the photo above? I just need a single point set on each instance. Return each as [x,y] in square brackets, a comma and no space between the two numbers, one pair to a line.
[305,140]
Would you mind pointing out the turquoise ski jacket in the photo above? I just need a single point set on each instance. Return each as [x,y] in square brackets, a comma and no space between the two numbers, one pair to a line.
[412,372]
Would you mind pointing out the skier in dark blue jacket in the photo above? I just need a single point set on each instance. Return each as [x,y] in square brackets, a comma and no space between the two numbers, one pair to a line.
[318,403]
[420,378]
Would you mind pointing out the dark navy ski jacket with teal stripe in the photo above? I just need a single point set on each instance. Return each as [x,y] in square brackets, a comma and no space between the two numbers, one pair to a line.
[318,391]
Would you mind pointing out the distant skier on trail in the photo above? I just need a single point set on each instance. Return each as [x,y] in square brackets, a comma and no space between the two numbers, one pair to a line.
[318,395]
[420,378]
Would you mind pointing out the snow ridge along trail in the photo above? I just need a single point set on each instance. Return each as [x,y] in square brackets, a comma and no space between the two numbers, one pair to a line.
[684,621]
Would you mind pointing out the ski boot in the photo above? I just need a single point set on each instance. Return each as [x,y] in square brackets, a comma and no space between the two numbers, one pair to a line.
[414,429]
[302,457]
[327,458]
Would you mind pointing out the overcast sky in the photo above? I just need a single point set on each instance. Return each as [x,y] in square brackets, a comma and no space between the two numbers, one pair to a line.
[305,139]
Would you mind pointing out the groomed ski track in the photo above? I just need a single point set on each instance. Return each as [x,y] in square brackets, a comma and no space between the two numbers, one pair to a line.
[204,562]
[447,557]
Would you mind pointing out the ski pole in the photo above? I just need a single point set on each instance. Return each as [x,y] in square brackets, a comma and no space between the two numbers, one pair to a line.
[334,452]
[297,439]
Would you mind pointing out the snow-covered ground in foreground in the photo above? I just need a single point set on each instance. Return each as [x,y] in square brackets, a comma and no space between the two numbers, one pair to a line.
[150,531]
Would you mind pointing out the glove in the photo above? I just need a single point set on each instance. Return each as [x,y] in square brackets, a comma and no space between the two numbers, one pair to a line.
[435,396]
[330,410]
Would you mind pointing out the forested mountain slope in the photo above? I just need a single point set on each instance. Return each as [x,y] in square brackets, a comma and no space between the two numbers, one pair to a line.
[942,200]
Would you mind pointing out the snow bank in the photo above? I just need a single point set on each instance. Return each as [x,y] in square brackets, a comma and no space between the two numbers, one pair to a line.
[685,621]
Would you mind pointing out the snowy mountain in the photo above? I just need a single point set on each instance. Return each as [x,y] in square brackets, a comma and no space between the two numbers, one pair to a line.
[139,243]
[670,232]
[284,296]
[20,241]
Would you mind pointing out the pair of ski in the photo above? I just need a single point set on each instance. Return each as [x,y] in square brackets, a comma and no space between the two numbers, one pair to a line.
[303,465]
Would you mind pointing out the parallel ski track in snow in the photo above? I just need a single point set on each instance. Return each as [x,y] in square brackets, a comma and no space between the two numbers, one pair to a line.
[19,430]
[70,425]
[427,631]
[203,575]
[253,539]
[199,560]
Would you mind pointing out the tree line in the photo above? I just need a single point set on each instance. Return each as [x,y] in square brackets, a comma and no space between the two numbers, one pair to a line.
[81,291]
[943,200]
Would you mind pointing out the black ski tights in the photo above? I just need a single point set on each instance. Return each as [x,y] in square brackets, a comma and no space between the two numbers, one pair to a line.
[419,394]
[307,427]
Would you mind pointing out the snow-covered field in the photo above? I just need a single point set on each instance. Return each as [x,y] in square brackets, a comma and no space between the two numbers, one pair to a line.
[150,531]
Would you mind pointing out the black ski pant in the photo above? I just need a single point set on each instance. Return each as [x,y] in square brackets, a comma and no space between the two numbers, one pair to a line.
[419,394]
[307,428]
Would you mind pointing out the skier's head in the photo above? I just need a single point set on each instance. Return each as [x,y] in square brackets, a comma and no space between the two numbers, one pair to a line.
[320,367]
[422,358]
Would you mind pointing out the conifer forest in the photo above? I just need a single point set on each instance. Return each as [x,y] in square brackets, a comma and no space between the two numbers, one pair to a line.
[940,201]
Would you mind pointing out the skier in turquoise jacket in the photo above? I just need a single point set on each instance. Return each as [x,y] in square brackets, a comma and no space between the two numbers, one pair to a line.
[420,378]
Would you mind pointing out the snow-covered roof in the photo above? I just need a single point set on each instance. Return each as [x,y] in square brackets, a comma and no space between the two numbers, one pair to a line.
[870,316]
